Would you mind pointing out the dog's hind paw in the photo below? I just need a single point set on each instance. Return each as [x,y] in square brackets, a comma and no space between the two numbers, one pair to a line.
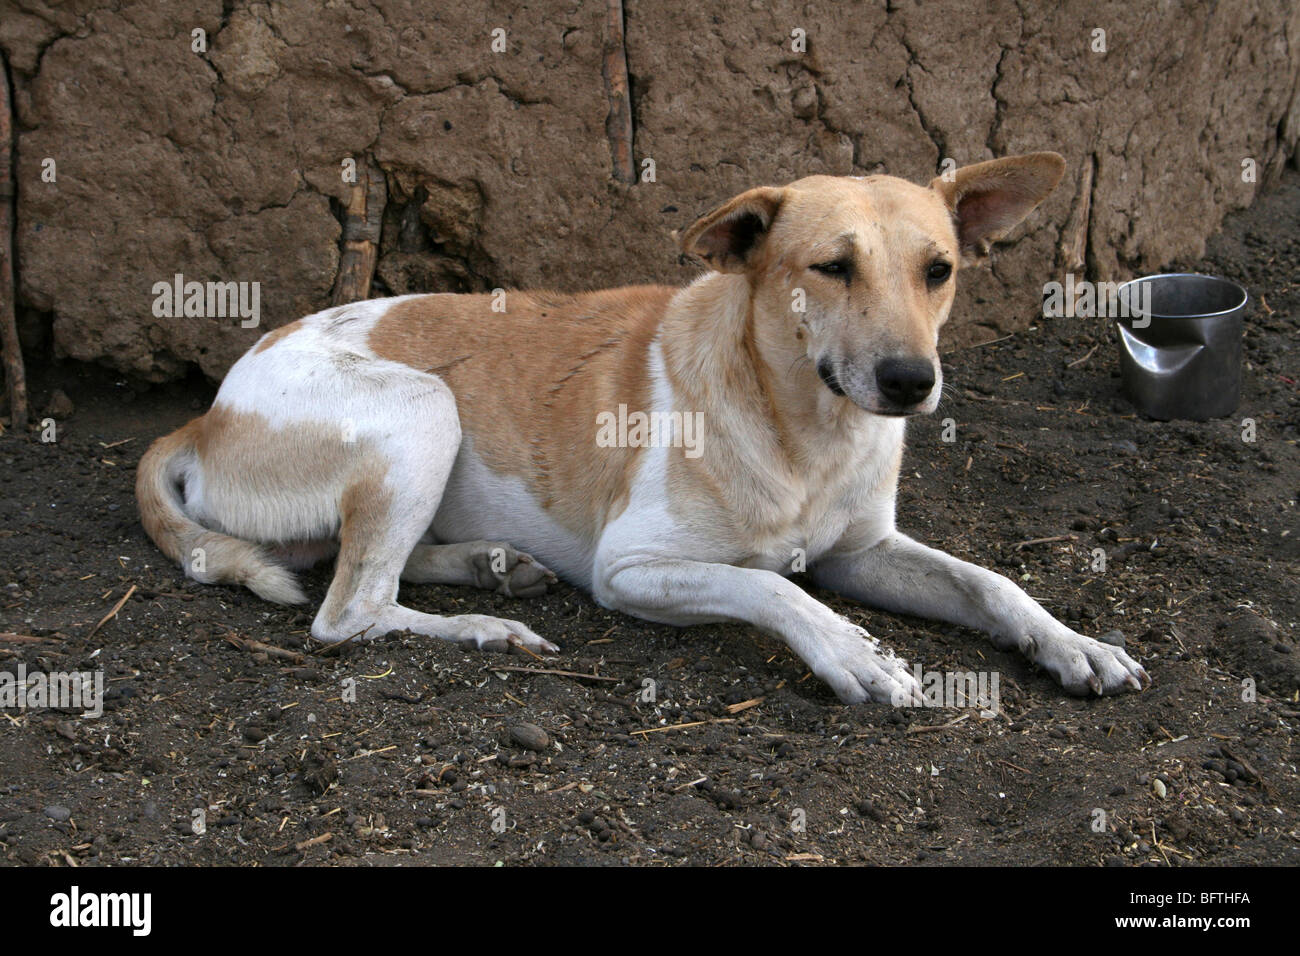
[512,573]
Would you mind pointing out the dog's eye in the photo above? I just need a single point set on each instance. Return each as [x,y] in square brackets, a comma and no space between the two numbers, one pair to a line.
[938,271]
[840,268]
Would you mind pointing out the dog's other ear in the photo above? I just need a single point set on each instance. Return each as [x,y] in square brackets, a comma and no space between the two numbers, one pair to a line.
[987,199]
[728,237]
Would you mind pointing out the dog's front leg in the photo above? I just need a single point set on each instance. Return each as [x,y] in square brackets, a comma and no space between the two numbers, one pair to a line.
[672,591]
[899,574]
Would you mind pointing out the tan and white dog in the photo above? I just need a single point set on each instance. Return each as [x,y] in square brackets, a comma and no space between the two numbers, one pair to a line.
[427,437]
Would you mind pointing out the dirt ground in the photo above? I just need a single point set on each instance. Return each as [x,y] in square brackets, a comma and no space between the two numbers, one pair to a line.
[406,751]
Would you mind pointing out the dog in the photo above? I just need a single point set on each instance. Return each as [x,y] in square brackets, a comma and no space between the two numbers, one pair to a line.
[453,439]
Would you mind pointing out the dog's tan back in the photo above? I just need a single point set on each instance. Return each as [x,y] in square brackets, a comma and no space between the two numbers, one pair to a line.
[532,371]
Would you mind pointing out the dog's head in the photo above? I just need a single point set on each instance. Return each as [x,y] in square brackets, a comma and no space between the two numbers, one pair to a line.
[862,271]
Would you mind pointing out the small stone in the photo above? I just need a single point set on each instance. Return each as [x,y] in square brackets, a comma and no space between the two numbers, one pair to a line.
[530,737]
[58,814]
[1158,786]
[1114,638]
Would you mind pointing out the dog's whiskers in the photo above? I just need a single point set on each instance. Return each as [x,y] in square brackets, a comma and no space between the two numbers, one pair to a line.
[798,359]
[946,392]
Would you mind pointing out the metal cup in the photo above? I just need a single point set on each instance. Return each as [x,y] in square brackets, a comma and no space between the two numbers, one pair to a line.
[1180,346]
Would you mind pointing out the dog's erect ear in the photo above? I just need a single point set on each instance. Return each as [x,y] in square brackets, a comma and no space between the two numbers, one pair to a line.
[728,237]
[987,199]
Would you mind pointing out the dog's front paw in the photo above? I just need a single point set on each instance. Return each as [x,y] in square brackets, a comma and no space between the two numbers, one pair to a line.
[511,573]
[858,669]
[1085,666]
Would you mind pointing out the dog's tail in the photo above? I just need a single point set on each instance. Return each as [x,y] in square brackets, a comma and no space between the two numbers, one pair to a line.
[207,556]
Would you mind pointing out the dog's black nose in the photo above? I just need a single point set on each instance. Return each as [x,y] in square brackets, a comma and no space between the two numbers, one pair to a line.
[905,382]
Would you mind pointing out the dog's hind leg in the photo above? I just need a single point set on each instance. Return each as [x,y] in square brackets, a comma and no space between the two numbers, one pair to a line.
[385,508]
[491,565]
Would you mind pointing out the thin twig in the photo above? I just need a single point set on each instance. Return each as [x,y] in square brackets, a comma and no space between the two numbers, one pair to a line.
[337,647]
[7,638]
[270,650]
[693,723]
[111,614]
[516,643]
[618,122]
[980,345]
[927,728]
[1048,540]
[550,670]
[1080,361]
[314,841]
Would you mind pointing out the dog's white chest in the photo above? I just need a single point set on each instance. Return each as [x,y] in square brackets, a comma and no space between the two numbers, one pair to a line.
[815,528]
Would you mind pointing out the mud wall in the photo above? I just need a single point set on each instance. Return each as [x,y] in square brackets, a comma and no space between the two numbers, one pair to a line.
[209,140]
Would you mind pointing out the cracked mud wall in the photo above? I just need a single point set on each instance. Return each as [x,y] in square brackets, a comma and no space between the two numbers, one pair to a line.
[225,165]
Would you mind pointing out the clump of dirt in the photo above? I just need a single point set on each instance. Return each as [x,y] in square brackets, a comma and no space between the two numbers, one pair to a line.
[647,744]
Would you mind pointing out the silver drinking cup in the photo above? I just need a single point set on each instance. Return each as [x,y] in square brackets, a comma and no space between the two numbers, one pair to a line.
[1180,345]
